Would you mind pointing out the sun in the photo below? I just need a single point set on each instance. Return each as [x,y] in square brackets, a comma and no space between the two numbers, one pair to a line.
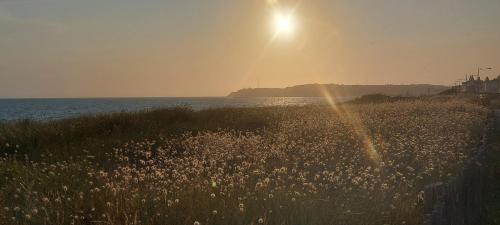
[284,24]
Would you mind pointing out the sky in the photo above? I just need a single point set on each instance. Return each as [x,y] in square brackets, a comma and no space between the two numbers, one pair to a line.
[130,48]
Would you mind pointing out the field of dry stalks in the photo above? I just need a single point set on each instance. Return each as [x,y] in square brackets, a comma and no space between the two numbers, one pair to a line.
[349,164]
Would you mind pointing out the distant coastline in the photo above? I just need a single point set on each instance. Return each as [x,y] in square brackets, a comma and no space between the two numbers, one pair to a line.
[338,90]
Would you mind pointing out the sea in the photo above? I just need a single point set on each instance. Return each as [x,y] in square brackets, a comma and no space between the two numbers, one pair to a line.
[53,109]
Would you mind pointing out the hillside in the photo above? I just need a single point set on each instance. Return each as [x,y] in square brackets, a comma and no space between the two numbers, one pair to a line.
[317,90]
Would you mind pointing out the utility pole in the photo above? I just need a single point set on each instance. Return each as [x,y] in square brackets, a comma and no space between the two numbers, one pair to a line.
[479,69]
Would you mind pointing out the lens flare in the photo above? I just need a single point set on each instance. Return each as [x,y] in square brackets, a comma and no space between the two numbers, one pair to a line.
[356,123]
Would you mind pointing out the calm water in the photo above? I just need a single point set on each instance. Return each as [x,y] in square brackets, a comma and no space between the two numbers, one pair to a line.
[49,109]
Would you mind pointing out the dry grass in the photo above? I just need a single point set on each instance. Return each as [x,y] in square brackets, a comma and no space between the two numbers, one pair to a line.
[359,164]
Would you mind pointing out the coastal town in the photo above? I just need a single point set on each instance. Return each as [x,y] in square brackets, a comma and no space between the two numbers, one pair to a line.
[474,84]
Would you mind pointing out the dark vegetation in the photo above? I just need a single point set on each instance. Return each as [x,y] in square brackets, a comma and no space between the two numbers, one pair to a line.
[378,98]
[68,137]
[451,91]
[491,210]
[98,133]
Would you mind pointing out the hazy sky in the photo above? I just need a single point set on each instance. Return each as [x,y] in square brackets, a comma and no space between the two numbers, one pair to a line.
[105,48]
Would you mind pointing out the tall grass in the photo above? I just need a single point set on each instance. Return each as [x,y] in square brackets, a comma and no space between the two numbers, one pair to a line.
[98,133]
[277,165]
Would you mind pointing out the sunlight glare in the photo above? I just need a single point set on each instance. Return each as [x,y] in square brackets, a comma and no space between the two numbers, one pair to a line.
[284,24]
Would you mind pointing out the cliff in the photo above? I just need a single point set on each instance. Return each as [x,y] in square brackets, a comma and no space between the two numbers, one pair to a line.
[319,90]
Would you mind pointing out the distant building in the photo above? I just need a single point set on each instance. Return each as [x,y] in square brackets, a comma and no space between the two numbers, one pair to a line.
[477,85]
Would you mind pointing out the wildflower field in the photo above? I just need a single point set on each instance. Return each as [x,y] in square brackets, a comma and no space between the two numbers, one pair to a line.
[344,164]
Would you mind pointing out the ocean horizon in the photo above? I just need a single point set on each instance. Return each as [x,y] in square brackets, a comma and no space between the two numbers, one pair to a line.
[44,109]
